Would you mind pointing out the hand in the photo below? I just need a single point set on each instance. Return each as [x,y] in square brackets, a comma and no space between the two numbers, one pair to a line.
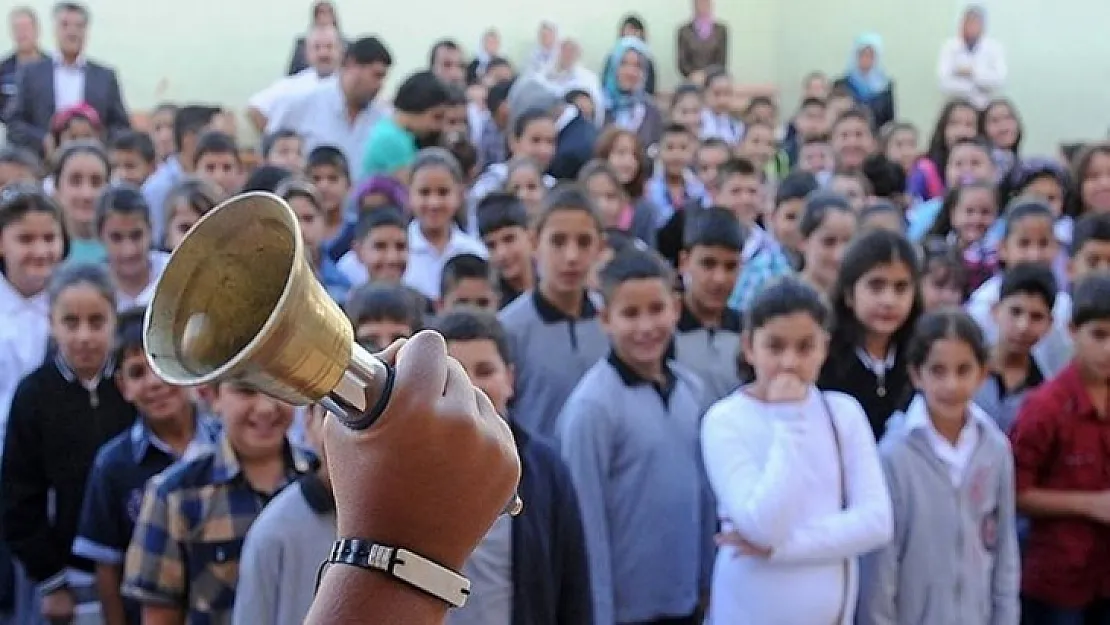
[744,547]
[786,387]
[59,606]
[1098,507]
[436,469]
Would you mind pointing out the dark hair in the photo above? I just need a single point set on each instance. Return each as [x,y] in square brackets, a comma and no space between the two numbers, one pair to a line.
[795,186]
[715,73]
[384,302]
[714,227]
[77,148]
[295,186]
[137,142]
[191,120]
[818,206]
[599,167]
[713,143]
[783,296]
[22,157]
[1031,170]
[633,21]
[982,125]
[442,44]
[120,199]
[498,95]
[759,100]
[939,150]
[525,119]
[129,334]
[464,152]
[270,140]
[840,90]
[367,51]
[605,145]
[866,252]
[938,325]
[437,157]
[72,7]
[807,102]
[889,129]
[567,197]
[461,267]
[1082,163]
[1090,299]
[856,112]
[470,324]
[573,94]
[216,142]
[821,139]
[71,275]
[673,128]
[498,61]
[456,95]
[22,198]
[686,89]
[943,258]
[633,264]
[737,166]
[1025,208]
[200,195]
[878,208]
[420,93]
[943,225]
[266,178]
[1035,279]
[500,210]
[1090,227]
[328,156]
[385,217]
[886,177]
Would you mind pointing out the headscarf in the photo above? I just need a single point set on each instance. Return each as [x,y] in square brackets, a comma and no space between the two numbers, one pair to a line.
[81,110]
[703,24]
[973,10]
[386,186]
[481,54]
[874,80]
[617,100]
[543,57]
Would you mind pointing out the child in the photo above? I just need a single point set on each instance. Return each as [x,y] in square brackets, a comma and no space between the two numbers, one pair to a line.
[133,158]
[327,169]
[217,160]
[283,148]
[816,157]
[615,207]
[123,226]
[187,124]
[554,329]
[170,427]
[943,276]
[951,479]
[526,181]
[958,121]
[1001,126]
[533,136]
[61,414]
[797,478]
[811,121]
[898,142]
[875,302]
[969,211]
[688,108]
[161,130]
[81,170]
[969,159]
[633,420]
[416,121]
[466,281]
[708,159]
[1090,248]
[186,203]
[882,216]
[674,185]
[382,314]
[380,251]
[708,332]
[622,150]
[886,179]
[1092,179]
[852,185]
[717,121]
[435,196]
[852,138]
[783,218]
[18,165]
[503,226]
[305,202]
[1061,473]
[827,225]
[1022,317]
[760,147]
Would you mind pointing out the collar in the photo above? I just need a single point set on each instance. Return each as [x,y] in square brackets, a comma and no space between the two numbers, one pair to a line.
[226,467]
[420,245]
[1078,399]
[876,366]
[318,496]
[687,322]
[1033,378]
[917,417]
[70,375]
[81,63]
[756,242]
[206,432]
[549,313]
[632,379]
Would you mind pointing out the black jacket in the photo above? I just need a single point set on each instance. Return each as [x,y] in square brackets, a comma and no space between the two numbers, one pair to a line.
[843,371]
[881,105]
[574,148]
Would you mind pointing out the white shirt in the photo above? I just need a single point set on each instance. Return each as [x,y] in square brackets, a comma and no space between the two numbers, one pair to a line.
[724,127]
[280,93]
[24,332]
[775,470]
[956,457]
[69,83]
[352,268]
[158,262]
[320,117]
[425,266]
[987,63]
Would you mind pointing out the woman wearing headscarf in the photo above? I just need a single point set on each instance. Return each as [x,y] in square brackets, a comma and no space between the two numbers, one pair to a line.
[867,80]
[627,102]
[323,14]
[547,47]
[972,65]
[702,42]
[633,26]
[566,72]
[489,48]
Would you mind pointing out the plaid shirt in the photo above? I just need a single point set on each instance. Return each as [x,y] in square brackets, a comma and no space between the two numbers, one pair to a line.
[189,536]
[764,261]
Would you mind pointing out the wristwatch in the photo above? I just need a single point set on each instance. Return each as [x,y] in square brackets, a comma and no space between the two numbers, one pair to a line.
[401,564]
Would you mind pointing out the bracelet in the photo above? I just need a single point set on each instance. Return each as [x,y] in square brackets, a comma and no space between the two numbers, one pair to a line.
[401,564]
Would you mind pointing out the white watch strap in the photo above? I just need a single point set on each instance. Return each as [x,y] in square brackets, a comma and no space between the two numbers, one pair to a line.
[404,565]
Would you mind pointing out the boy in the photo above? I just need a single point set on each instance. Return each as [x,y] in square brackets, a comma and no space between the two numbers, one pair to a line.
[380,250]
[633,420]
[717,121]
[1022,316]
[189,122]
[465,281]
[674,187]
[18,165]
[133,158]
[284,546]
[708,333]
[382,314]
[852,138]
[887,180]
[283,148]
[1062,473]
[852,184]
[122,221]
[815,156]
[783,220]
[328,170]
[760,147]
[1090,246]
[503,227]
[710,155]
[811,121]
[540,555]
[182,565]
[305,202]
[217,160]
[493,145]
[839,100]
[170,427]
[456,118]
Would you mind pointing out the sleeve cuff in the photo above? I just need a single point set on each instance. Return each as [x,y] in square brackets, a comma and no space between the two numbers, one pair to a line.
[151,597]
[101,554]
[53,583]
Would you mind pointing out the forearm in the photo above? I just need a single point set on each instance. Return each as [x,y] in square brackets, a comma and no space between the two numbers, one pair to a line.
[351,595]
[1037,502]
[108,578]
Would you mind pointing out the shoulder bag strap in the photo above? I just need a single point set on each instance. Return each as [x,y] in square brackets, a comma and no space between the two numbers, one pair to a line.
[843,499]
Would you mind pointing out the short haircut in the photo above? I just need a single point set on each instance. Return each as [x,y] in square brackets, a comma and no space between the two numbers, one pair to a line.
[713,143]
[442,44]
[498,95]
[1091,299]
[22,157]
[385,217]
[685,89]
[1024,208]
[886,177]
[72,7]
[713,227]
[715,73]
[498,61]
[821,139]
[525,119]
[463,267]
[858,176]
[328,156]
[1034,279]
[368,51]
[1090,227]
[738,166]
[633,264]
[191,120]
[269,140]
[216,142]
[674,128]
[120,199]
[796,186]
[470,324]
[818,205]
[420,93]
[266,178]
[456,95]
[500,210]
[567,197]
[137,142]
[375,302]
[808,102]
[129,334]
[856,112]
[295,186]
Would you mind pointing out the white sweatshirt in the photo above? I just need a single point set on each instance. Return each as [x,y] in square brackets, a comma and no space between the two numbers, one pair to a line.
[774,470]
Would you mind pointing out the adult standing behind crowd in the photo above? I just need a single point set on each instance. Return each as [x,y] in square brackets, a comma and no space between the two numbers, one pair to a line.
[702,42]
[324,48]
[633,26]
[867,79]
[323,14]
[971,64]
[25,37]
[66,79]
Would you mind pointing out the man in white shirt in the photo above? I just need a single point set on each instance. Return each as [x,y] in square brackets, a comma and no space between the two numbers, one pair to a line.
[324,49]
[972,65]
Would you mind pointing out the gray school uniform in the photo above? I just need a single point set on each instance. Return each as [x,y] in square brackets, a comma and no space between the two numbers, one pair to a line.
[551,352]
[634,455]
[710,352]
[1003,406]
[954,556]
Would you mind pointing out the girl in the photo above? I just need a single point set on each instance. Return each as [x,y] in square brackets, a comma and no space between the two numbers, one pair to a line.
[80,122]
[898,141]
[958,120]
[161,130]
[81,169]
[867,80]
[945,459]
[882,215]
[435,196]
[969,159]
[378,192]
[876,300]
[1000,125]
[525,180]
[628,104]
[968,214]
[533,136]
[717,121]
[795,473]
[943,277]
[827,225]
[123,226]
[1047,181]
[604,188]
[186,203]
[305,201]
[686,108]
[1092,178]
[624,153]
[61,414]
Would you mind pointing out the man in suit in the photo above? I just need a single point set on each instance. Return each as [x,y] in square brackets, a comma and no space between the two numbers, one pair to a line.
[25,37]
[65,79]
